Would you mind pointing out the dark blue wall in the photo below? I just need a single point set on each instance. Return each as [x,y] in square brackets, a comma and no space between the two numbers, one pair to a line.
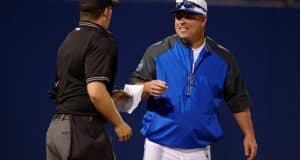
[264,40]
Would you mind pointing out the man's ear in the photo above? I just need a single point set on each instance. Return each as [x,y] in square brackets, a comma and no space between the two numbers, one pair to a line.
[203,20]
[107,11]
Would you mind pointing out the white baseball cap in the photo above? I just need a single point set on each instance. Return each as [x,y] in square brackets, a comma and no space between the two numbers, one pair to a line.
[191,6]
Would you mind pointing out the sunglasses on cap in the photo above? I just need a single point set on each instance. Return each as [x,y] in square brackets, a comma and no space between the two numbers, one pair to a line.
[188,4]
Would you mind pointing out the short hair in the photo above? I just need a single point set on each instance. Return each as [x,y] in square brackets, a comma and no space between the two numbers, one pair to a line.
[93,9]
[92,5]
[92,15]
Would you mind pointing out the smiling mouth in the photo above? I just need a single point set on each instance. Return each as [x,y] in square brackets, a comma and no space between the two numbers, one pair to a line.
[183,28]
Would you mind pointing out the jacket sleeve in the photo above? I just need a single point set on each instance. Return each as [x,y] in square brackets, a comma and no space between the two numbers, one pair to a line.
[145,70]
[235,92]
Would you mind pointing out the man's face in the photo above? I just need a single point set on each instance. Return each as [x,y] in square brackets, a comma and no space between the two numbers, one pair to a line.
[189,26]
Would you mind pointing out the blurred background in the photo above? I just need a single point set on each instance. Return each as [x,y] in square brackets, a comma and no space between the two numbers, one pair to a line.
[257,2]
[263,35]
[291,3]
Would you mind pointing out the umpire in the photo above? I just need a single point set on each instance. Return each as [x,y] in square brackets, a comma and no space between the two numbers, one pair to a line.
[86,68]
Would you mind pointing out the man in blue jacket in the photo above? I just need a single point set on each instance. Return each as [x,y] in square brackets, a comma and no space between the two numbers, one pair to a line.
[185,77]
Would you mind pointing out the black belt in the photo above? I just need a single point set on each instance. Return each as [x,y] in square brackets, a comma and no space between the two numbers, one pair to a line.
[61,116]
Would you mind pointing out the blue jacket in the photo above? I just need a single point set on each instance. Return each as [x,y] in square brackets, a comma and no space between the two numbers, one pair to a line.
[185,116]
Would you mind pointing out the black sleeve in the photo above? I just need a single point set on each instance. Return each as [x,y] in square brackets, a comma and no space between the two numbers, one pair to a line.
[145,70]
[235,92]
[100,60]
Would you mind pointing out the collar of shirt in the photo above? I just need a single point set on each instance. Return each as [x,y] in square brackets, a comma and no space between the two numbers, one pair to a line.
[85,23]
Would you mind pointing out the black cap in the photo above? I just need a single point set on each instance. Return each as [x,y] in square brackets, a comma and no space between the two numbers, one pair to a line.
[90,5]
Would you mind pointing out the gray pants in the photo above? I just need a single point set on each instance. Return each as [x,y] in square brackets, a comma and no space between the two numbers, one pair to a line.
[72,137]
[58,141]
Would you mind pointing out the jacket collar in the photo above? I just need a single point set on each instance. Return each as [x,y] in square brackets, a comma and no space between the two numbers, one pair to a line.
[86,23]
[207,44]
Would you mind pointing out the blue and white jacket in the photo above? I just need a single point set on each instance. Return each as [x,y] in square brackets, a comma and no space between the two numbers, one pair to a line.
[185,116]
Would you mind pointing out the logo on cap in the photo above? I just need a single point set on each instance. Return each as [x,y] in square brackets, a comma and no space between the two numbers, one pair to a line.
[191,6]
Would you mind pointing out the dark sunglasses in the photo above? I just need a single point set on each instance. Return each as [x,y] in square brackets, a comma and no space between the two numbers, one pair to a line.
[188,4]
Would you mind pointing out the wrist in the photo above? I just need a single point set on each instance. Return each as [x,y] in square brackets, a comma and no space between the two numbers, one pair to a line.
[249,134]
[146,87]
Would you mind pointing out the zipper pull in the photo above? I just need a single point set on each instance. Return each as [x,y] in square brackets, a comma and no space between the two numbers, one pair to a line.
[190,84]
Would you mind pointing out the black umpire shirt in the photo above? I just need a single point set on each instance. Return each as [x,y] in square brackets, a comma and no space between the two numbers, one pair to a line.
[88,54]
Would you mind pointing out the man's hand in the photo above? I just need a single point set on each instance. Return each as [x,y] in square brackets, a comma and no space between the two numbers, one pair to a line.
[123,131]
[155,87]
[243,119]
[119,95]
[250,147]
